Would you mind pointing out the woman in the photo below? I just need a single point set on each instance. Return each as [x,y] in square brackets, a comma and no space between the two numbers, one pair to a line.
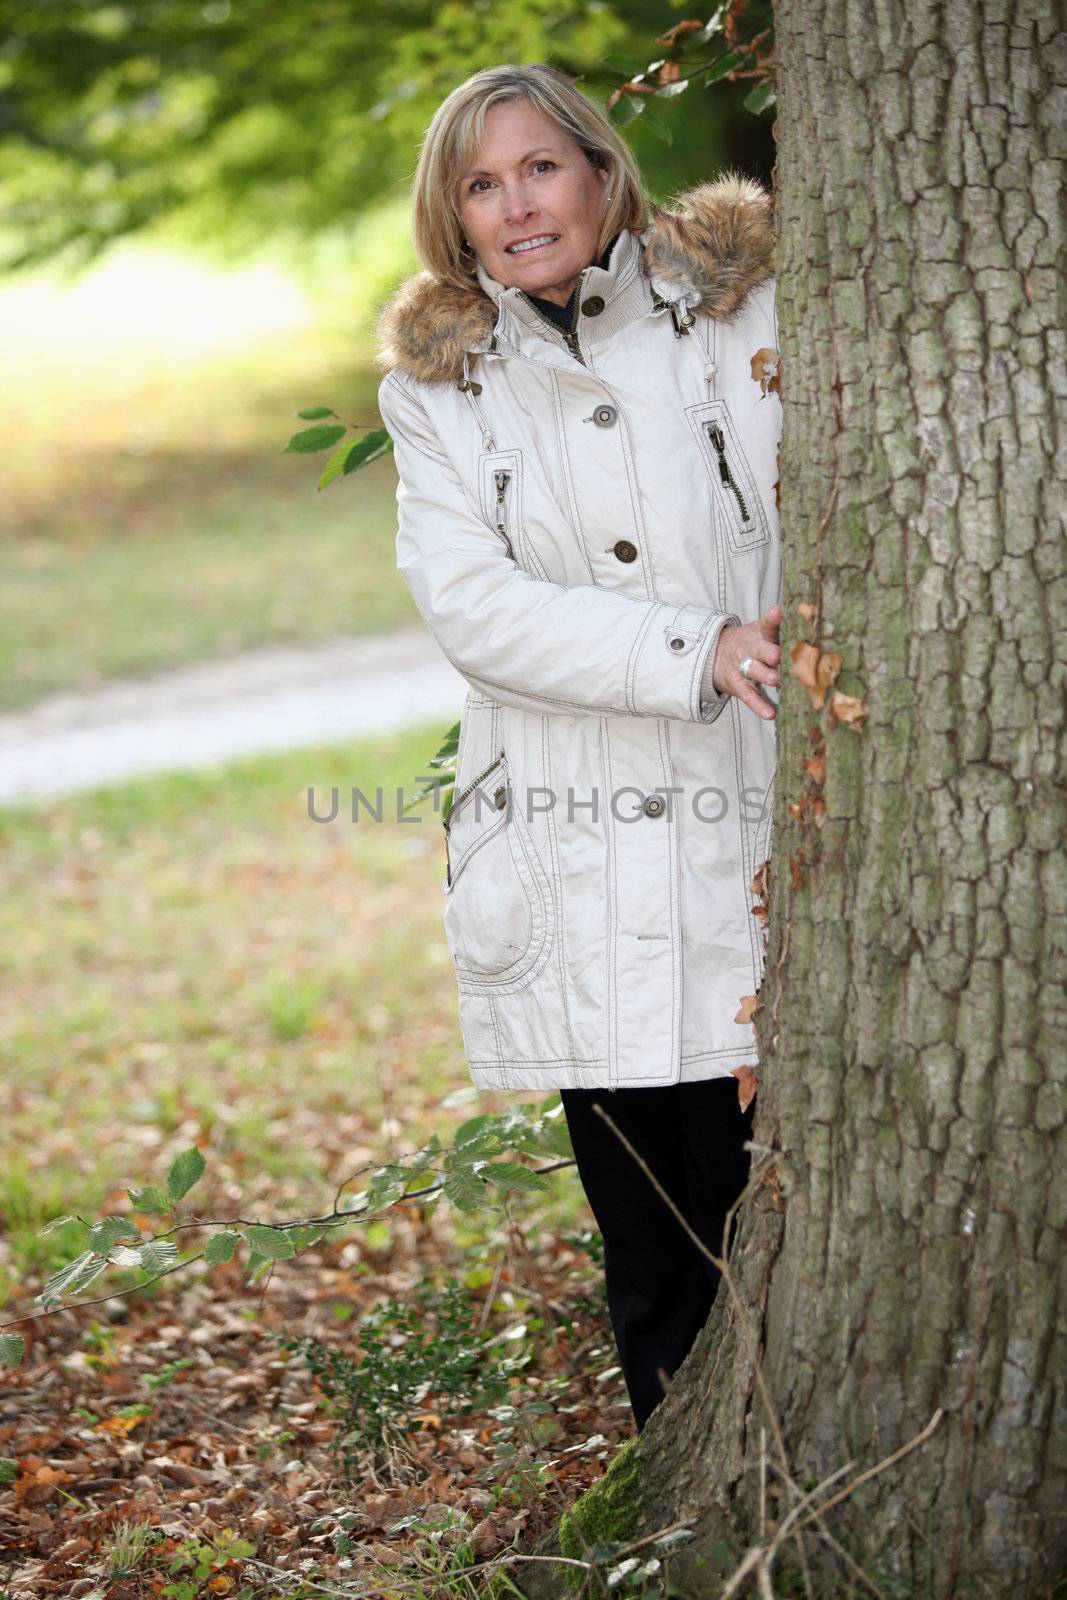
[580,388]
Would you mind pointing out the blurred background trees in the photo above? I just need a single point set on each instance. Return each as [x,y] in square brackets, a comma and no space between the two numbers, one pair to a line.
[273,119]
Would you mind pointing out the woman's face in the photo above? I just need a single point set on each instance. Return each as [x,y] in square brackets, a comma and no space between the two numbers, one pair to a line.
[530,179]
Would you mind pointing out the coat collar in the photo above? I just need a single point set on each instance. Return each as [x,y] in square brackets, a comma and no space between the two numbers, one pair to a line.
[710,252]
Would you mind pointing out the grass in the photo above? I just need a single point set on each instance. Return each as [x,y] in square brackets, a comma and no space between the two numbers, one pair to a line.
[189,957]
[150,517]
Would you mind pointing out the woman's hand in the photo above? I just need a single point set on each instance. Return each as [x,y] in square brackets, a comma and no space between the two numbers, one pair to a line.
[760,641]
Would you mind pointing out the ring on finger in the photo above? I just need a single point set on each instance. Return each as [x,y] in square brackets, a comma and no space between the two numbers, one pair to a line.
[744,668]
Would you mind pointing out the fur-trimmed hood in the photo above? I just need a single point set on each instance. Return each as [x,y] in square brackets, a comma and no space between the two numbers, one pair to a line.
[716,239]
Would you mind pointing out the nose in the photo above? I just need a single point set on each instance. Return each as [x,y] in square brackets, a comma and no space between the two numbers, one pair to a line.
[517,204]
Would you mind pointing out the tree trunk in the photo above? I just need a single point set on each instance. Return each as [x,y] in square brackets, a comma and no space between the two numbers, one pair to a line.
[903,1249]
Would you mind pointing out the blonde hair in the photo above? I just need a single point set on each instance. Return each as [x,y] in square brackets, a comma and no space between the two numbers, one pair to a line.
[455,133]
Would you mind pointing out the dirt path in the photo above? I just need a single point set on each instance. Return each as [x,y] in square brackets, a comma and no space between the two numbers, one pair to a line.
[269,699]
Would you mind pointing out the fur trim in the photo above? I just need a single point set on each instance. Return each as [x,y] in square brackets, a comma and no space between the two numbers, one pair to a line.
[720,241]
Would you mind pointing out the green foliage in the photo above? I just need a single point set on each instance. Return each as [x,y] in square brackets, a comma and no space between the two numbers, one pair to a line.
[413,1356]
[203,1560]
[349,456]
[125,1548]
[242,121]
[466,1172]
[445,758]
[188,1169]
[12,1349]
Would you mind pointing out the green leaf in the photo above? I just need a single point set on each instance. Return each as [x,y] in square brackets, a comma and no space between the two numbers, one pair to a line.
[109,1230]
[221,1246]
[670,90]
[56,1222]
[257,1266]
[121,1255]
[316,413]
[658,125]
[385,1188]
[158,1254]
[725,64]
[698,38]
[273,1244]
[350,455]
[449,748]
[77,1274]
[510,1175]
[471,1130]
[309,440]
[627,108]
[623,66]
[761,97]
[304,1238]
[9,1470]
[12,1349]
[464,1188]
[150,1200]
[188,1169]
[372,445]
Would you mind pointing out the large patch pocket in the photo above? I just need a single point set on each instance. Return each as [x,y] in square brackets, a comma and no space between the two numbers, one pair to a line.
[501,484]
[738,503]
[498,901]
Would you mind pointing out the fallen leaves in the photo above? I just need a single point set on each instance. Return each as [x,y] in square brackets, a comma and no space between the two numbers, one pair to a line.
[238,1439]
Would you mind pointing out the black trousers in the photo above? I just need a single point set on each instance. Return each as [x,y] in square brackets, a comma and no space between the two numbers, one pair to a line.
[659,1285]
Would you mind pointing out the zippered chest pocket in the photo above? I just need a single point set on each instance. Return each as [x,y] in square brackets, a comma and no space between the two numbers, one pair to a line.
[501,484]
[737,499]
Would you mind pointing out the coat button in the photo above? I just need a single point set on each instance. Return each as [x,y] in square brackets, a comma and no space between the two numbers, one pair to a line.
[500,797]
[593,306]
[677,644]
[625,550]
[653,805]
[604,416]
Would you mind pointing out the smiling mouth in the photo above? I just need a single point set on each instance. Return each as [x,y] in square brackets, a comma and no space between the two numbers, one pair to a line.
[547,241]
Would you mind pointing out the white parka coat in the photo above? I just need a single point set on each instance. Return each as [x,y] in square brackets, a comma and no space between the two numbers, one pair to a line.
[578,518]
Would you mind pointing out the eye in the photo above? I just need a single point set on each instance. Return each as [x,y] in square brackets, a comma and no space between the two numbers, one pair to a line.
[544,162]
[474,186]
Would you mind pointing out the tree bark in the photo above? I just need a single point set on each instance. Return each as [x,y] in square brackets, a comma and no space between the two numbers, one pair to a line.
[903,1247]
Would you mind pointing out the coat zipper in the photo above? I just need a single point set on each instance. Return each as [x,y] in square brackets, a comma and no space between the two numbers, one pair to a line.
[715,434]
[571,337]
[502,479]
[446,822]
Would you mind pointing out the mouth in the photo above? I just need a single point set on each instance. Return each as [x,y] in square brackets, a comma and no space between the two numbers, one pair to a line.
[532,247]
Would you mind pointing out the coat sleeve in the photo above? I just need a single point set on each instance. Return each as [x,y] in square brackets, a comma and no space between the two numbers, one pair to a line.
[526,641]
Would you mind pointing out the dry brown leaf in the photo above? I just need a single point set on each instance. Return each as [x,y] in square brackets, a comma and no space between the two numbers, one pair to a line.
[805,660]
[118,1427]
[746,1086]
[749,1007]
[808,610]
[816,669]
[818,811]
[848,709]
[765,367]
[815,767]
